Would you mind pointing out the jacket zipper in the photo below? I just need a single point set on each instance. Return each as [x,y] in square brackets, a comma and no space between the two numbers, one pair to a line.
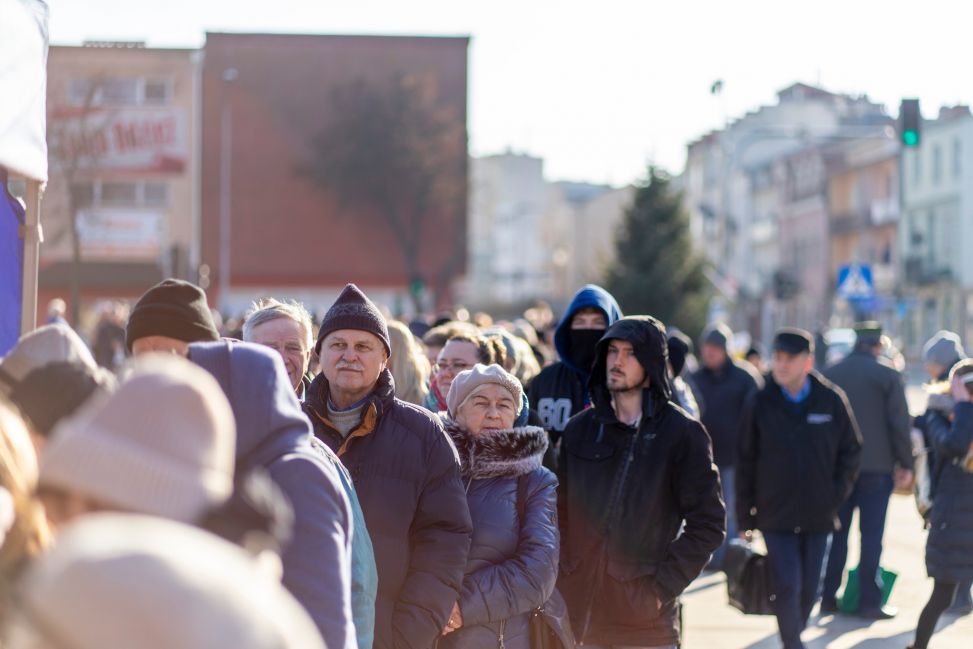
[613,504]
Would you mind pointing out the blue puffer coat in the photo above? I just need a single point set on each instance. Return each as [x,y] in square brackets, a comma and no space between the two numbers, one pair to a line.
[949,548]
[512,566]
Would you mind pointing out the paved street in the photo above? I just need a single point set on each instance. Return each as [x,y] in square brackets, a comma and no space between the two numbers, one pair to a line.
[712,624]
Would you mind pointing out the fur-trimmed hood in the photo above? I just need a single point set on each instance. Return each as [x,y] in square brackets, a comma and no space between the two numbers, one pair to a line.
[504,453]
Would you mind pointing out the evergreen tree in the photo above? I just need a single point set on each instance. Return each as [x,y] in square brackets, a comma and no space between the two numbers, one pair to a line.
[656,271]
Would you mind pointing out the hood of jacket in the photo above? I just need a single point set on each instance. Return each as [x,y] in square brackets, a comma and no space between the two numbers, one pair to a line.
[590,296]
[268,415]
[498,454]
[648,338]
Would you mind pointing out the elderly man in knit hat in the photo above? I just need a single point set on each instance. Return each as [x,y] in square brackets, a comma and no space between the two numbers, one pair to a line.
[405,471]
[876,394]
[171,315]
[723,385]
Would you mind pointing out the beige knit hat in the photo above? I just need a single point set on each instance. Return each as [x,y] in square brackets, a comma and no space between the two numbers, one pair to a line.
[163,444]
[48,344]
[469,380]
[126,580]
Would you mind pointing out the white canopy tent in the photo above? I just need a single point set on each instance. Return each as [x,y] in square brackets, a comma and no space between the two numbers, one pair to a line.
[23,123]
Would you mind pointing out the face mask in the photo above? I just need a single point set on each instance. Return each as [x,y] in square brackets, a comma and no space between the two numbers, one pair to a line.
[582,348]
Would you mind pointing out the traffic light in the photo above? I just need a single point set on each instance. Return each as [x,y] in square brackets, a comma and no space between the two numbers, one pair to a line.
[910,121]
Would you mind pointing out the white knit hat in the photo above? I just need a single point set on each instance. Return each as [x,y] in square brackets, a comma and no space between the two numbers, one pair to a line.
[469,380]
[126,580]
[48,344]
[164,443]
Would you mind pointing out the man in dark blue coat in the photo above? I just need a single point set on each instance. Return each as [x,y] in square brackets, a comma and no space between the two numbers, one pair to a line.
[405,469]
[798,459]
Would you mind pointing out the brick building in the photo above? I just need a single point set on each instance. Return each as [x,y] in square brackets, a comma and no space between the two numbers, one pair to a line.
[266,99]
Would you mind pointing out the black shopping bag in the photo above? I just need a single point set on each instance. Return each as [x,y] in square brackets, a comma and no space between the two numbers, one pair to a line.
[748,579]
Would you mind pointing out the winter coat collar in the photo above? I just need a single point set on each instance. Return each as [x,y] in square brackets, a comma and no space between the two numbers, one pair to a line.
[500,454]
[382,396]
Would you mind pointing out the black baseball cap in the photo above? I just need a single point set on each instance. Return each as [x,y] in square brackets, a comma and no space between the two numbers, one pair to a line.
[868,333]
[792,340]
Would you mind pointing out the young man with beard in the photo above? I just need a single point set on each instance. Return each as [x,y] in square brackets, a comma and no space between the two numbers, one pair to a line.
[799,453]
[639,501]
[559,392]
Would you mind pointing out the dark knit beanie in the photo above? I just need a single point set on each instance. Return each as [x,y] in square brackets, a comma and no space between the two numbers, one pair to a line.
[353,310]
[678,349]
[718,335]
[172,308]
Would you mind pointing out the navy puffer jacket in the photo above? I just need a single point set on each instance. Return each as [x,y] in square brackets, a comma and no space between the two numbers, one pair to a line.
[407,478]
[948,548]
[512,565]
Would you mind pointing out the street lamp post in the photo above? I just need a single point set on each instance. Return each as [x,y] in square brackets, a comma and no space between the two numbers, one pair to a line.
[226,155]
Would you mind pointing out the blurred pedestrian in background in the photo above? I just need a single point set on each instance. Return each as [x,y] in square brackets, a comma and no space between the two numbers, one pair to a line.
[724,386]
[876,394]
[949,560]
[799,456]
[408,364]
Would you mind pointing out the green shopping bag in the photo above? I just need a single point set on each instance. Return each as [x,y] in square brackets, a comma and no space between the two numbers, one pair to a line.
[848,602]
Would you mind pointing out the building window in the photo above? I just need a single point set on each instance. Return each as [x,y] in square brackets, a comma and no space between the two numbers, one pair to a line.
[119,193]
[937,164]
[957,158]
[125,91]
[119,92]
[155,194]
[916,169]
[156,92]
[133,193]
[83,195]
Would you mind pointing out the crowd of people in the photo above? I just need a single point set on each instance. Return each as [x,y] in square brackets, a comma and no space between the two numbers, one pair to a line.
[365,482]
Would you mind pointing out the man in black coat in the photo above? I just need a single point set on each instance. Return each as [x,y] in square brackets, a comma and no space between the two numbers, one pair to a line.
[639,500]
[798,459]
[877,396]
[405,470]
[724,386]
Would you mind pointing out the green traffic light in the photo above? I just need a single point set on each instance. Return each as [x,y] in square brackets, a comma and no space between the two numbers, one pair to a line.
[910,138]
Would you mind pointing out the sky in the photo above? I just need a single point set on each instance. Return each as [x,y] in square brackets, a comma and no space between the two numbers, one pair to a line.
[599,89]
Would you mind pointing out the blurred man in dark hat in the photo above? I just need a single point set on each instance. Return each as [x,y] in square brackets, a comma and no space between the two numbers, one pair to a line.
[877,397]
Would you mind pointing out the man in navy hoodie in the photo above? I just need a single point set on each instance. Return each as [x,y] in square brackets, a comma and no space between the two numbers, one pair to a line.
[559,392]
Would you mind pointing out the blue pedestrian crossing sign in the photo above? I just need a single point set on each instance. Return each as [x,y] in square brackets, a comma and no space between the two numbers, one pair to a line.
[855,283]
